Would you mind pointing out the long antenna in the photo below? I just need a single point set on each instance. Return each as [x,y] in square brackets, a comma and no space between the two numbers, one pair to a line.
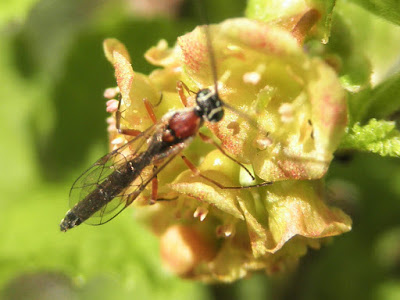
[249,119]
[203,15]
[211,56]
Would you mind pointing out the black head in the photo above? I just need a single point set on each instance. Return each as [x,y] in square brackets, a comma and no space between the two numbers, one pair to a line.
[209,105]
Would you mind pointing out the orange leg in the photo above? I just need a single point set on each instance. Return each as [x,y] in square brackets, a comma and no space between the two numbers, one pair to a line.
[132,132]
[118,116]
[196,172]
[150,110]
[181,88]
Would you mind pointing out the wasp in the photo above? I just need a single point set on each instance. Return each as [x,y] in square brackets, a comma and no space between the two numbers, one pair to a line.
[114,181]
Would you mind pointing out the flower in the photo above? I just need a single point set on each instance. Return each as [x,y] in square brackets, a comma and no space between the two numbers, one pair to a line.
[300,109]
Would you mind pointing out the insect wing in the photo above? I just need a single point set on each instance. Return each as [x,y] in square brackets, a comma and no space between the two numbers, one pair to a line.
[99,173]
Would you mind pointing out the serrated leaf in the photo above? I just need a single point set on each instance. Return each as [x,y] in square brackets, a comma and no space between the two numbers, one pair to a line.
[379,137]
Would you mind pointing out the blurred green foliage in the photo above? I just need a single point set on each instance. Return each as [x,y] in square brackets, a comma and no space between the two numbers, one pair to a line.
[377,137]
[53,74]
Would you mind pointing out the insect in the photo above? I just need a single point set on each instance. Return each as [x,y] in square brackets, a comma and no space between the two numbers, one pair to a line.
[114,181]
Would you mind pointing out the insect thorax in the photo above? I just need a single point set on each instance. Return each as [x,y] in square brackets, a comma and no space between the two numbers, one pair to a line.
[209,105]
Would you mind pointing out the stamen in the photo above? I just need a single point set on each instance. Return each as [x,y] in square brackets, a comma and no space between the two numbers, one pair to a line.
[262,142]
[111,125]
[112,106]
[224,78]
[177,69]
[110,120]
[201,213]
[226,230]
[118,140]
[286,111]
[111,128]
[217,162]
[251,78]
[111,93]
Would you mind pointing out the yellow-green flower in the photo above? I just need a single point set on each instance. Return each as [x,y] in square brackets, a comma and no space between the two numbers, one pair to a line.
[218,234]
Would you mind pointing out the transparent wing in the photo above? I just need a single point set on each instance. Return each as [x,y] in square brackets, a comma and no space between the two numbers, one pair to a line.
[127,197]
[98,176]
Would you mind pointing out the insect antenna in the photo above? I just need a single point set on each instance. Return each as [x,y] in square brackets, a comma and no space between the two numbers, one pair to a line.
[204,17]
[211,55]
[246,117]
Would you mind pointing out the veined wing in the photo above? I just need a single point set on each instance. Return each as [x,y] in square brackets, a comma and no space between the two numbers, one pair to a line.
[127,197]
[85,189]
[118,178]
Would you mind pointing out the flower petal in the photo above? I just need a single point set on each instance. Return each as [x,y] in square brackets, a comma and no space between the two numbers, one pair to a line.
[296,208]
[296,99]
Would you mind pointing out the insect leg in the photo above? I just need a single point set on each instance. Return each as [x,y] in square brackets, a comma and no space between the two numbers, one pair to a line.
[130,132]
[196,172]
[118,116]
[209,140]
[150,110]
[181,87]
[133,132]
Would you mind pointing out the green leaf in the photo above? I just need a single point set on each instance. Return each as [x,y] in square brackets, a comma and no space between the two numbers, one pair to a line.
[379,137]
[358,105]
[380,102]
[372,36]
[387,9]
[385,98]
[353,66]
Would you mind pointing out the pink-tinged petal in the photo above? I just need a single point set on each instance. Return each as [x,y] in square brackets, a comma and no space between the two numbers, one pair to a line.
[200,190]
[299,109]
[195,55]
[329,106]
[297,208]
[297,100]
[287,218]
[258,234]
[111,45]
[124,74]
[134,88]
[161,55]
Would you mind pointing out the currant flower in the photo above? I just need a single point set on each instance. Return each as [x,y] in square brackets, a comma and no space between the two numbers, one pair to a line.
[299,109]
